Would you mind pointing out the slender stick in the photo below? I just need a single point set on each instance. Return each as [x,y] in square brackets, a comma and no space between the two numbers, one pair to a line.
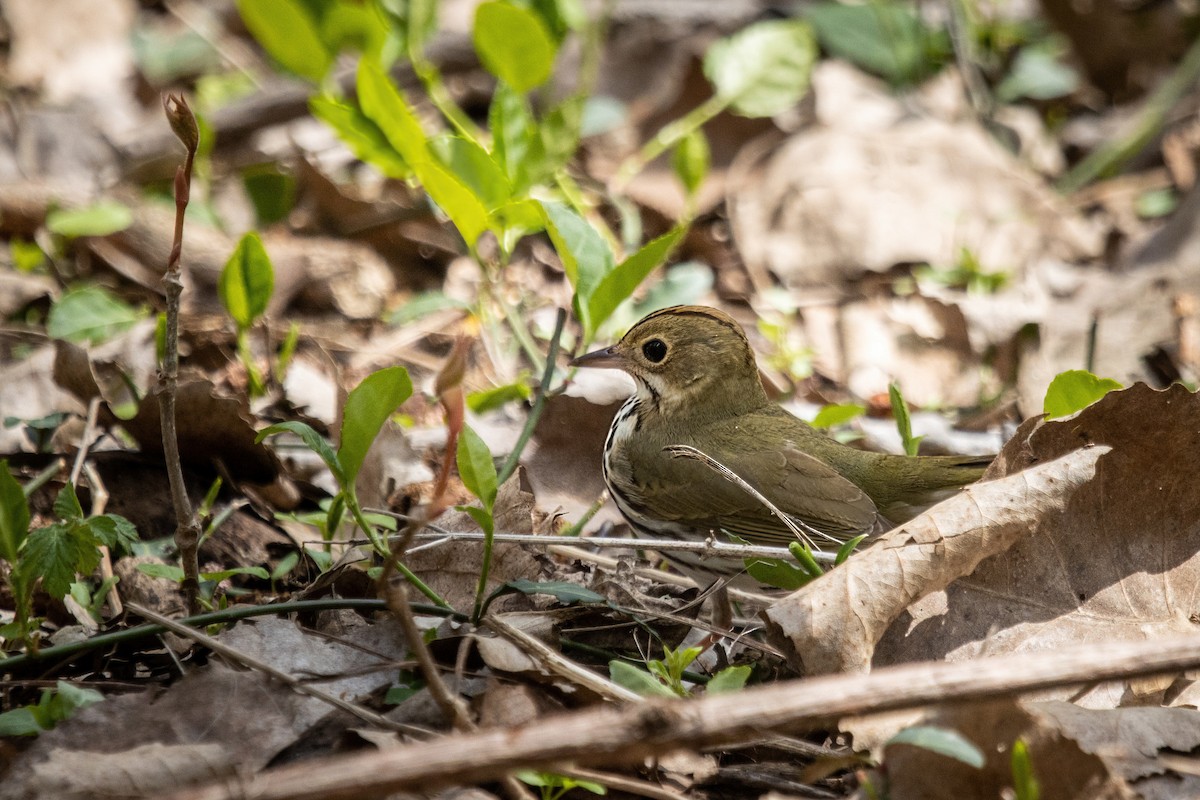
[539,404]
[187,530]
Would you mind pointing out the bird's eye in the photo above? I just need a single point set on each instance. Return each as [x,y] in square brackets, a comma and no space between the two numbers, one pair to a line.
[655,350]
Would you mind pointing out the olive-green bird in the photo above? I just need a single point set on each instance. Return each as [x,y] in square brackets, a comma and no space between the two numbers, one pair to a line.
[698,385]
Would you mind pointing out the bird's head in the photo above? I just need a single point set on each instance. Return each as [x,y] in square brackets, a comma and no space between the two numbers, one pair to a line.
[686,358]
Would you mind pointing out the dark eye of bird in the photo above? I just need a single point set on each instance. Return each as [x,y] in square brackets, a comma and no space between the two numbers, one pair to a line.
[655,350]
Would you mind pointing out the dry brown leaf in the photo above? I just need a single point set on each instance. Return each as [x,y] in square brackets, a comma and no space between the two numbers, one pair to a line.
[1120,562]
[141,771]
[860,599]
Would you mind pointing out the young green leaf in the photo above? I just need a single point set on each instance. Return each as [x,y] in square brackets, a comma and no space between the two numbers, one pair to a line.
[690,160]
[498,396]
[1025,782]
[730,679]
[14,515]
[170,572]
[585,255]
[101,219]
[777,572]
[386,106]
[474,166]
[247,281]
[315,442]
[563,591]
[621,281]
[637,680]
[476,467]
[763,69]
[888,39]
[847,549]
[804,557]
[289,34]
[361,135]
[55,553]
[903,423]
[513,44]
[367,407]
[833,414]
[1073,391]
[112,531]
[940,740]
[19,722]
[515,144]
[90,314]
[482,516]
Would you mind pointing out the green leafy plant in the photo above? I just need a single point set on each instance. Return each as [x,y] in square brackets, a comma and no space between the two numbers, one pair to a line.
[837,414]
[885,37]
[56,704]
[945,741]
[245,288]
[478,473]
[552,786]
[53,554]
[1073,391]
[101,219]
[966,273]
[665,676]
[368,407]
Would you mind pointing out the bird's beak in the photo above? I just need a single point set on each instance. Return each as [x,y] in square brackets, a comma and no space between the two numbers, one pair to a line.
[608,358]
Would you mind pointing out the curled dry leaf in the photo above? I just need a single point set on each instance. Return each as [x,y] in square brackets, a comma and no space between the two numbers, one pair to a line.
[833,624]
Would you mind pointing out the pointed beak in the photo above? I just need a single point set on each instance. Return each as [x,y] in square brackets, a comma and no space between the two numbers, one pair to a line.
[608,358]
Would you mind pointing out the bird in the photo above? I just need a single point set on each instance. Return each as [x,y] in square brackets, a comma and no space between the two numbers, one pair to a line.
[698,386]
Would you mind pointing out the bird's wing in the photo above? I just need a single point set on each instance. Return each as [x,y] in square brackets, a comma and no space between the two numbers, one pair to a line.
[800,485]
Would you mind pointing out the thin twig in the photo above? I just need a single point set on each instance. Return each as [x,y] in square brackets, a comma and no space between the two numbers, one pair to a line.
[555,662]
[246,660]
[187,530]
[99,503]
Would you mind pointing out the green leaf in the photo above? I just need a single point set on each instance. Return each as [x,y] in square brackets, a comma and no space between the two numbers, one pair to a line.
[585,255]
[247,281]
[383,103]
[621,281]
[69,698]
[225,574]
[19,722]
[367,407]
[1156,203]
[691,159]
[287,31]
[1038,73]
[112,530]
[55,553]
[474,167]
[100,219]
[777,572]
[414,21]
[847,549]
[1073,391]
[888,39]
[515,143]
[14,515]
[1025,782]
[285,565]
[422,305]
[562,591]
[940,740]
[90,314]
[476,467]
[361,135]
[498,396]
[834,414]
[26,256]
[763,69]
[315,442]
[730,679]
[169,571]
[66,505]
[513,44]
[637,680]
[903,423]
[272,192]
[482,516]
